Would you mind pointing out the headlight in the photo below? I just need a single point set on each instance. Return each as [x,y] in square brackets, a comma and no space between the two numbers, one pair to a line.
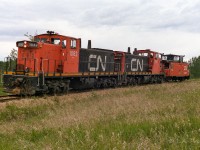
[27,44]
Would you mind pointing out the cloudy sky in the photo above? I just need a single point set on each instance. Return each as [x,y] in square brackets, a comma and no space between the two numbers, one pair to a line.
[167,26]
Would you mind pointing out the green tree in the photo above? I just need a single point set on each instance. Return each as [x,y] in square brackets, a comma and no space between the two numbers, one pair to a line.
[13,54]
[10,63]
[195,67]
[2,66]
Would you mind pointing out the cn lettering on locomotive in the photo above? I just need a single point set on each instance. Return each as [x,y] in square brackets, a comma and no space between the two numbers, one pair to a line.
[94,60]
[98,61]
[136,63]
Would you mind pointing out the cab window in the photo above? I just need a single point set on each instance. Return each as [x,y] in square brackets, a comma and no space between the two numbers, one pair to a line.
[36,39]
[73,43]
[44,40]
[158,55]
[64,43]
[151,55]
[55,41]
[143,54]
[164,57]
[176,58]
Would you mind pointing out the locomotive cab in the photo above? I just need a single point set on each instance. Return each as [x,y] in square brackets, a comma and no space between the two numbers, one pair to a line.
[49,53]
[46,56]
[175,68]
[154,60]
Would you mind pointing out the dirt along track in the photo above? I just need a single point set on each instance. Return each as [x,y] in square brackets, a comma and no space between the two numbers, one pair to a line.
[6,98]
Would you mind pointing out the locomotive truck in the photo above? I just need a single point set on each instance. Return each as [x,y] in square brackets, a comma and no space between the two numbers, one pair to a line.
[53,63]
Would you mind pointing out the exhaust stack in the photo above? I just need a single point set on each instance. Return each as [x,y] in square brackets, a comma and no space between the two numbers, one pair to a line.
[129,50]
[89,44]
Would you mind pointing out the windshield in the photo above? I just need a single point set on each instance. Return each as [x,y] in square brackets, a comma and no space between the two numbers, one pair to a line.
[55,41]
[171,58]
[36,39]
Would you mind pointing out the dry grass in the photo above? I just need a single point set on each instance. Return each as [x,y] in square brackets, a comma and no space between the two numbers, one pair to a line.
[146,108]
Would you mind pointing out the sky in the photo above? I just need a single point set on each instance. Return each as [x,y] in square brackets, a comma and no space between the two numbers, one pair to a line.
[165,26]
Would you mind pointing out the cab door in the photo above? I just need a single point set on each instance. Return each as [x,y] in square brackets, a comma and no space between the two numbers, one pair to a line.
[71,56]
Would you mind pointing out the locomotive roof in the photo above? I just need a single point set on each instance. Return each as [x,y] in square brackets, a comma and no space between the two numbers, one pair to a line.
[98,49]
[173,55]
[51,33]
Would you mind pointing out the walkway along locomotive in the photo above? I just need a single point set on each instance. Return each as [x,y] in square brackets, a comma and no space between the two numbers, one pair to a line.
[54,63]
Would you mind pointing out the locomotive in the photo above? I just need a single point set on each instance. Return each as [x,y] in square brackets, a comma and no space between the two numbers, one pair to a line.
[53,63]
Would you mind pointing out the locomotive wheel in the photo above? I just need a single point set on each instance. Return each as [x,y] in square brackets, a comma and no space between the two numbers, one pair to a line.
[56,90]
[134,82]
[114,83]
[58,87]
[65,87]
[138,81]
[161,80]
[53,88]
[27,88]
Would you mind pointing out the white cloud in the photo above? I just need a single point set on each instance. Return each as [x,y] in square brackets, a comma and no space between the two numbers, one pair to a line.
[170,26]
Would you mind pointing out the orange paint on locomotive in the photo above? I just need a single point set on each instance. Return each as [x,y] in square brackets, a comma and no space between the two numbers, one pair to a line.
[51,53]
[154,60]
[174,66]
[177,69]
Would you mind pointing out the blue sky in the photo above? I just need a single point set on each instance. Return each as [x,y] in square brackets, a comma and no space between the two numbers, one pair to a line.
[166,26]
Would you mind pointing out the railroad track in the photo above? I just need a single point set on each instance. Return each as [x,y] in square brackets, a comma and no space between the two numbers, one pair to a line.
[6,98]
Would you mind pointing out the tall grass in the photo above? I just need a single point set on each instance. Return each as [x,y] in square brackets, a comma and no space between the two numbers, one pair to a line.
[1,88]
[163,116]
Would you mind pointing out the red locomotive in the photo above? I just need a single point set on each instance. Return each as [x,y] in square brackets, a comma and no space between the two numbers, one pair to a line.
[54,63]
[174,67]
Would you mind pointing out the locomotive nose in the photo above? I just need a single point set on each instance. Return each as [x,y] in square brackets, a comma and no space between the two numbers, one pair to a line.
[27,44]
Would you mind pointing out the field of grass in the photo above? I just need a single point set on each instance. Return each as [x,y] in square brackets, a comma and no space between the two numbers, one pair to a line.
[162,116]
[1,87]
[1,90]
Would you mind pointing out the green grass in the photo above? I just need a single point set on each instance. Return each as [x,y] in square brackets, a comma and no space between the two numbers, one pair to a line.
[118,134]
[13,113]
[163,116]
[2,90]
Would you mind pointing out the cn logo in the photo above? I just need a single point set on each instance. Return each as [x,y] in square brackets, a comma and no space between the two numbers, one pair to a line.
[98,61]
[137,63]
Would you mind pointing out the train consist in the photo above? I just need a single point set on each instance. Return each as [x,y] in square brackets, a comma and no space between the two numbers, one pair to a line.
[54,63]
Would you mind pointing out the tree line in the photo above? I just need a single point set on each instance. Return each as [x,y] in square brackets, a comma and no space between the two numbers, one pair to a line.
[194,66]
[9,62]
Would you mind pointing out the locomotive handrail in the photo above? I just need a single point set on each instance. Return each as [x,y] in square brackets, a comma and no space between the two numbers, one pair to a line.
[43,69]
[7,65]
